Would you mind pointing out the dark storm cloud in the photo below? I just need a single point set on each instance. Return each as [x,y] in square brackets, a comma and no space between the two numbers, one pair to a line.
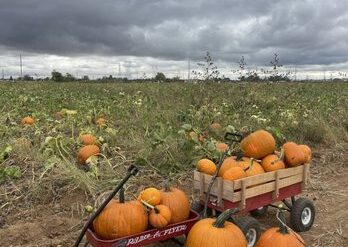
[303,32]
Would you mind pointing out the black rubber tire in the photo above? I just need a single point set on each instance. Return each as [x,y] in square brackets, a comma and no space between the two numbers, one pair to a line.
[297,209]
[259,211]
[246,224]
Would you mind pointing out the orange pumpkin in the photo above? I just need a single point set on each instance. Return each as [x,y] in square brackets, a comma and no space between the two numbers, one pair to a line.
[254,169]
[280,236]
[234,173]
[293,154]
[215,127]
[307,152]
[178,203]
[86,152]
[120,219]
[27,121]
[160,216]
[218,232]
[272,162]
[221,147]
[258,144]
[206,166]
[228,163]
[88,139]
[151,195]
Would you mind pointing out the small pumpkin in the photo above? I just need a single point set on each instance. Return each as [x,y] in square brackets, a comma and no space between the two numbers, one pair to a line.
[258,144]
[192,136]
[27,121]
[280,236]
[151,195]
[218,232]
[178,203]
[273,162]
[120,219]
[254,168]
[215,127]
[234,173]
[221,147]
[88,139]
[293,154]
[307,152]
[206,166]
[228,163]
[160,216]
[86,152]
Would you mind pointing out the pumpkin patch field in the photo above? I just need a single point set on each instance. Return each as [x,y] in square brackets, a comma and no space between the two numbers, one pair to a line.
[64,146]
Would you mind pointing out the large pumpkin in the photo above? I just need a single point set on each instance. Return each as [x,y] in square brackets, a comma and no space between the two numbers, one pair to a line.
[293,154]
[216,232]
[228,163]
[307,152]
[178,203]
[27,121]
[273,162]
[254,169]
[258,144]
[151,195]
[280,237]
[88,139]
[206,166]
[120,219]
[86,152]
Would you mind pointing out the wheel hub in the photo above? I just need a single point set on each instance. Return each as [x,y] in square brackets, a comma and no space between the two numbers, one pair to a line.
[251,237]
[306,216]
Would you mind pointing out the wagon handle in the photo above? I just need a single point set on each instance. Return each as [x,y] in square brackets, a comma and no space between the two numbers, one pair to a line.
[132,171]
[233,136]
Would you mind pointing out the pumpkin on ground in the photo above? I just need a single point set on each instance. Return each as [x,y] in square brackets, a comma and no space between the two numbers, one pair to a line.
[120,219]
[100,121]
[192,136]
[293,154]
[228,163]
[221,147]
[178,203]
[273,162]
[206,166]
[86,152]
[234,173]
[216,232]
[307,152]
[258,144]
[280,236]
[215,127]
[27,121]
[160,216]
[88,139]
[151,195]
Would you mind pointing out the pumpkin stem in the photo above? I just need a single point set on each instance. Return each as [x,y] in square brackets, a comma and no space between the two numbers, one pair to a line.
[281,157]
[282,222]
[121,196]
[147,204]
[251,163]
[220,221]
[166,185]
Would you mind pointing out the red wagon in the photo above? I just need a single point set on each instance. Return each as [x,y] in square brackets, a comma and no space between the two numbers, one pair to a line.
[254,194]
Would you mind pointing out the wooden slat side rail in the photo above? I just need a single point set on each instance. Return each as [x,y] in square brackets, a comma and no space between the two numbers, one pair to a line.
[202,190]
[276,186]
[243,195]
[220,184]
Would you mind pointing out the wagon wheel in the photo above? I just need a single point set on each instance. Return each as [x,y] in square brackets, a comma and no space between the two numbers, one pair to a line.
[302,215]
[251,229]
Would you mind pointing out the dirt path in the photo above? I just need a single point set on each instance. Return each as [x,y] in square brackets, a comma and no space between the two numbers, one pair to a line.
[58,224]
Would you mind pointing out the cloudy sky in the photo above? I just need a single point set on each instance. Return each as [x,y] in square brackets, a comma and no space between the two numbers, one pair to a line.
[139,37]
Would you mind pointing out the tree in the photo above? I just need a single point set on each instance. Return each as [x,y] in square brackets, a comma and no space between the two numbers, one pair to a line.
[160,77]
[69,77]
[208,70]
[85,78]
[57,76]
[27,78]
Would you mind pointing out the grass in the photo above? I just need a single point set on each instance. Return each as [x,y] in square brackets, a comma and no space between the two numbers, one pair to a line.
[148,124]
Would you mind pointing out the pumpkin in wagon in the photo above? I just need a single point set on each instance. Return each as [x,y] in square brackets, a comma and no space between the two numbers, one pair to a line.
[206,166]
[120,219]
[216,232]
[234,173]
[228,163]
[178,203]
[160,216]
[151,195]
[273,162]
[293,154]
[307,152]
[258,144]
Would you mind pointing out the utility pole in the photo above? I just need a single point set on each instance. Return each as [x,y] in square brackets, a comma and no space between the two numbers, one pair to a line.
[295,73]
[21,65]
[3,73]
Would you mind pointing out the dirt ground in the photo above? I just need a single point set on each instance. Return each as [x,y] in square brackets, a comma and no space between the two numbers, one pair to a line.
[58,223]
